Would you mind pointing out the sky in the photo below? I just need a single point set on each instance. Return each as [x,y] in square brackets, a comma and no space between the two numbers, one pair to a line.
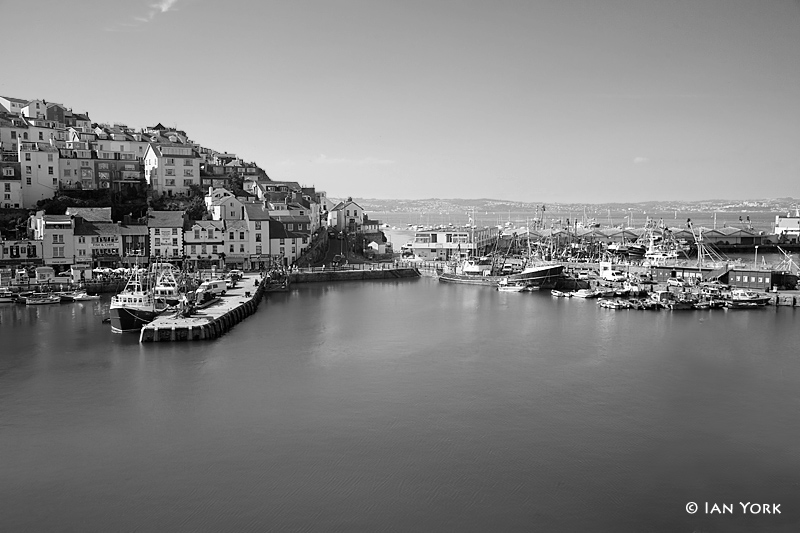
[535,100]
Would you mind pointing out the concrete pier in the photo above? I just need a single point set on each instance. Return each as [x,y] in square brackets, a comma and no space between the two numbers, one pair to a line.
[349,273]
[209,321]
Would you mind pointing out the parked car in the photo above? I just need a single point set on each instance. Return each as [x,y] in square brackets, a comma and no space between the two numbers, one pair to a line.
[676,282]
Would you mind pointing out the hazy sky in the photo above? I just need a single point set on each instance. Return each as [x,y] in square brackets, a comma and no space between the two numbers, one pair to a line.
[563,100]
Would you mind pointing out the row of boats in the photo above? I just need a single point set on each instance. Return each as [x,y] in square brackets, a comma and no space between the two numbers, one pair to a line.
[45,298]
[665,299]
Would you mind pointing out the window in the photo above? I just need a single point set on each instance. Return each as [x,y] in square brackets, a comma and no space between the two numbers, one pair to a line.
[258,237]
[214,248]
[58,251]
[241,235]
[231,248]
[283,251]
[50,170]
[187,162]
[241,248]
[305,240]
[49,158]
[174,242]
[6,197]
[205,249]
[188,183]
[293,250]
[290,227]
[27,156]
[13,134]
[41,136]
[193,249]
[157,231]
[28,180]
[158,241]
[169,161]
[258,225]
[171,183]
[25,135]
[258,249]
[8,171]
[347,213]
[187,173]
[230,235]
[169,172]
[174,231]
[282,242]
[197,234]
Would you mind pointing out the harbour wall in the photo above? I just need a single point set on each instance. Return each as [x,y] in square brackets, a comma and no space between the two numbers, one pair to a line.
[314,275]
[210,321]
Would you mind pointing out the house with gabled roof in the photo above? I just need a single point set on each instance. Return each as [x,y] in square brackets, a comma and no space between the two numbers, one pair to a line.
[13,105]
[346,215]
[285,245]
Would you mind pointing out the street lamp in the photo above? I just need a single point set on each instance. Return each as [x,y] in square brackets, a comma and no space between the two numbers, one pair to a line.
[755,259]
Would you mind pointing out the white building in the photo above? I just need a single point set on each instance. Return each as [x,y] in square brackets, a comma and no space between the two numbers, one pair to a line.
[787,228]
[223,205]
[346,215]
[39,164]
[57,235]
[13,105]
[171,168]
[237,241]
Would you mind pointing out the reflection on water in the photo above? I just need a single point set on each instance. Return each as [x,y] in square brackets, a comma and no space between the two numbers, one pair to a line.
[403,406]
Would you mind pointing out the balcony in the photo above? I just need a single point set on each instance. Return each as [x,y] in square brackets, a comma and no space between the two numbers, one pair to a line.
[9,156]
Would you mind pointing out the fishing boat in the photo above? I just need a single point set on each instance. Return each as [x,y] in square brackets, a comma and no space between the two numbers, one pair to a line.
[560,294]
[614,304]
[42,298]
[166,290]
[135,306]
[480,272]
[746,299]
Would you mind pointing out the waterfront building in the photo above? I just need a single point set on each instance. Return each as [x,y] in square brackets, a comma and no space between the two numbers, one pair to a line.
[257,219]
[453,243]
[57,234]
[346,215]
[237,241]
[24,253]
[135,243]
[97,243]
[166,235]
[39,162]
[787,228]
[286,245]
[204,243]
[12,105]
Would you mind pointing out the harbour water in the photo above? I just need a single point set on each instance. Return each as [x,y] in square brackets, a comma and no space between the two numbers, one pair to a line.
[406,405]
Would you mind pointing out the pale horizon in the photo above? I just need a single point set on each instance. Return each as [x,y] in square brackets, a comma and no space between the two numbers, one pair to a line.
[618,101]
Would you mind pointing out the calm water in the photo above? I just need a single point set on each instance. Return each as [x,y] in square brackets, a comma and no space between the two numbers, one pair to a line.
[402,406]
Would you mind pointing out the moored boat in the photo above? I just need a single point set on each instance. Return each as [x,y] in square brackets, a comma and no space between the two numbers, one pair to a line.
[135,306]
[6,296]
[473,272]
[745,299]
[42,298]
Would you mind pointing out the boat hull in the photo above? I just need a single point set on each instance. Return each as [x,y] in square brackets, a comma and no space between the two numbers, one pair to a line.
[539,277]
[130,319]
